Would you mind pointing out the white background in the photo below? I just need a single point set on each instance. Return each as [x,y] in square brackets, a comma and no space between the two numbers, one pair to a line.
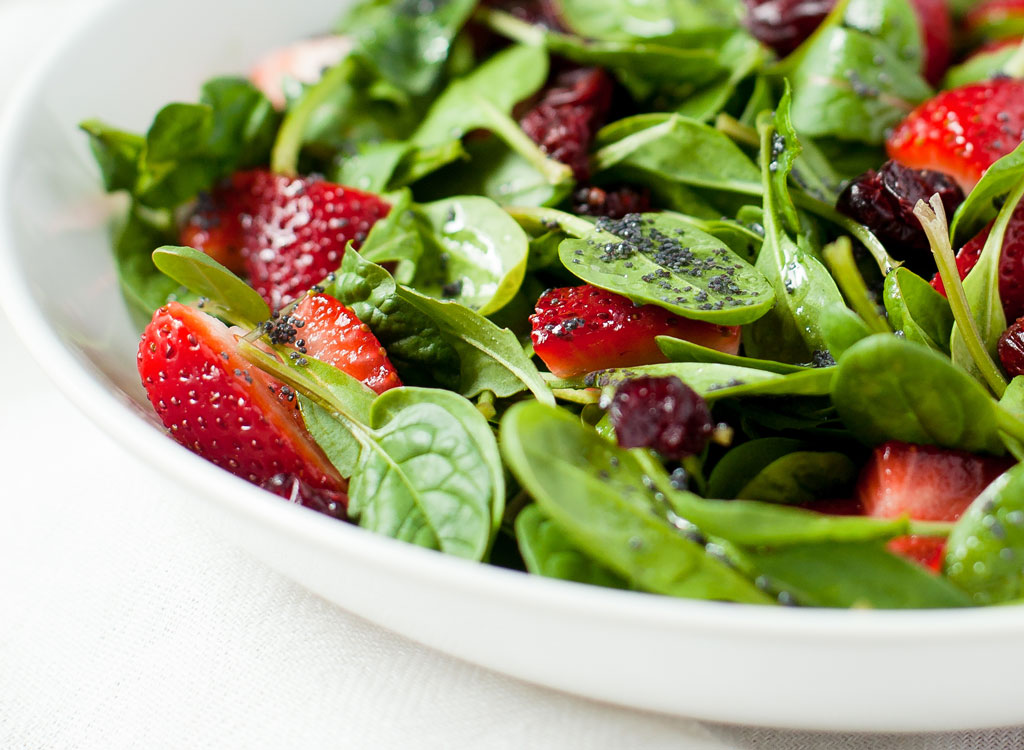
[124,623]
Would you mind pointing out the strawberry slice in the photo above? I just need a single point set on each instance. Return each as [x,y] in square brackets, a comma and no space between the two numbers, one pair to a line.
[1011,264]
[330,331]
[963,131]
[221,407]
[581,329]
[288,233]
[926,483]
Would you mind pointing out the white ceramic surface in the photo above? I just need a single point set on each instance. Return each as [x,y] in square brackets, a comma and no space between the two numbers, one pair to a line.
[774,666]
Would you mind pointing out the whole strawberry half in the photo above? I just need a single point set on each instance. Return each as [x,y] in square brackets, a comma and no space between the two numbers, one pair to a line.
[1011,264]
[577,330]
[925,483]
[963,131]
[218,405]
[287,232]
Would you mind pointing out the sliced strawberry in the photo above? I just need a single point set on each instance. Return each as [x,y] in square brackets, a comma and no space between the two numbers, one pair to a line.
[1011,264]
[937,37]
[963,131]
[292,232]
[925,483]
[303,62]
[581,329]
[328,330]
[218,405]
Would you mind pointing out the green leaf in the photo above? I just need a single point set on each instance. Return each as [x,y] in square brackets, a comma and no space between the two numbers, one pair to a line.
[547,551]
[143,286]
[477,253]
[980,66]
[624,20]
[841,328]
[803,287]
[117,154]
[736,467]
[980,205]
[802,477]
[491,357]
[887,388]
[208,278]
[594,491]
[916,309]
[680,350]
[853,575]
[985,552]
[662,260]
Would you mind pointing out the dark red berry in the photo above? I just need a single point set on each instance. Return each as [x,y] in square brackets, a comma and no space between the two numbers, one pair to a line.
[660,413]
[612,203]
[568,114]
[784,24]
[1011,349]
[884,201]
[540,12]
[293,489]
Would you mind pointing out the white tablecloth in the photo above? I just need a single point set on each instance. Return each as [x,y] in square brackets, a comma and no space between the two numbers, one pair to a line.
[124,623]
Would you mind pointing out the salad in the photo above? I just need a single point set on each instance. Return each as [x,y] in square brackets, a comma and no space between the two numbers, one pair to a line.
[721,300]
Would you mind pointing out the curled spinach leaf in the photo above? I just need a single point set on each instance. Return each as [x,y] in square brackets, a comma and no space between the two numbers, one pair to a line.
[802,477]
[208,278]
[916,309]
[547,551]
[716,381]
[681,350]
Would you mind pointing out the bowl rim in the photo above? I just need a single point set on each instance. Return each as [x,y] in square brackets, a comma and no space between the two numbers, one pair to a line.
[178,465]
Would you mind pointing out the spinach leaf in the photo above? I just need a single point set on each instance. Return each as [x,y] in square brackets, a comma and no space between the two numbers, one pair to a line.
[662,260]
[717,381]
[916,309]
[491,358]
[887,388]
[625,20]
[841,328]
[980,205]
[792,331]
[743,56]
[852,575]
[478,253]
[407,41]
[736,467]
[414,343]
[389,165]
[681,350]
[980,66]
[547,551]
[594,491]
[802,477]
[143,286]
[484,99]
[117,153]
[854,78]
[208,278]
[985,552]
[677,149]
[1012,403]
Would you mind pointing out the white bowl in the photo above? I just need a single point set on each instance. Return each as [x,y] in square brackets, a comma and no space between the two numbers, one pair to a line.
[815,669]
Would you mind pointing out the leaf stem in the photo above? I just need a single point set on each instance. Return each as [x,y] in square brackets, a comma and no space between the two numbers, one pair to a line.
[886,263]
[538,219]
[1009,423]
[839,256]
[930,528]
[508,130]
[510,27]
[736,130]
[933,220]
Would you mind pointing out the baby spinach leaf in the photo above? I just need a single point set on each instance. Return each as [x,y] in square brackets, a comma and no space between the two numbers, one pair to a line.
[407,41]
[372,166]
[916,309]
[681,350]
[985,552]
[841,328]
[662,260]
[143,286]
[477,253]
[397,238]
[414,343]
[736,467]
[208,278]
[117,153]
[547,551]
[624,20]
[980,205]
[802,477]
[853,575]
[980,66]
[491,358]
[887,388]
[791,331]
[484,99]
[594,491]
[717,381]
[677,149]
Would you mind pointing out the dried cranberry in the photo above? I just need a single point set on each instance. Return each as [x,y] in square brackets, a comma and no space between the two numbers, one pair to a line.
[541,12]
[884,202]
[612,203]
[1011,349]
[568,114]
[784,24]
[660,413]
[293,489]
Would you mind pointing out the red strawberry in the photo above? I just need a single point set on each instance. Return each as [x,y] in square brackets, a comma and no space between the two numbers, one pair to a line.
[1011,264]
[292,231]
[213,227]
[569,113]
[926,483]
[937,37]
[218,405]
[962,132]
[581,329]
[331,332]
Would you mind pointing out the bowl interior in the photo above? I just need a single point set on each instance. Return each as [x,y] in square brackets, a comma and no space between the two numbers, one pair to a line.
[758,665]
